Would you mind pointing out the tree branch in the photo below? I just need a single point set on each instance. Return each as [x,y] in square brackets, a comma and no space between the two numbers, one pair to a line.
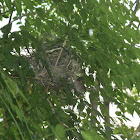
[135,10]
[136,131]
[64,43]
[107,121]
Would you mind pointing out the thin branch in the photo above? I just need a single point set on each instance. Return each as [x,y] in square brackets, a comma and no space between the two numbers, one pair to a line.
[136,131]
[11,15]
[52,107]
[50,51]
[138,25]
[64,43]
[137,6]
[5,12]
[135,10]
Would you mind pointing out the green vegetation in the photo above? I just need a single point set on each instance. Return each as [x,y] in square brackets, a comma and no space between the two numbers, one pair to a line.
[96,39]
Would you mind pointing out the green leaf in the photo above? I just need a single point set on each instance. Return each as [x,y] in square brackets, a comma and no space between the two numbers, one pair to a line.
[12,86]
[130,108]
[59,129]
[19,129]
[87,135]
[19,113]
[138,86]
[118,113]
[91,135]
[29,4]
[41,13]
[6,30]
[18,6]
[8,3]
[28,36]
[127,82]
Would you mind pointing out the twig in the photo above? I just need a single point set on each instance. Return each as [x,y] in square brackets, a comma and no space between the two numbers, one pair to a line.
[50,51]
[138,25]
[137,6]
[135,10]
[52,107]
[64,43]
[136,131]
[5,12]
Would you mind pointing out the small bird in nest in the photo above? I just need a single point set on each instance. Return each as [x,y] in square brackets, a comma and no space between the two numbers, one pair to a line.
[79,85]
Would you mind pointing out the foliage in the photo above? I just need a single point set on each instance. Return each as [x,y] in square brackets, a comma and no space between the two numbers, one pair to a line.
[110,52]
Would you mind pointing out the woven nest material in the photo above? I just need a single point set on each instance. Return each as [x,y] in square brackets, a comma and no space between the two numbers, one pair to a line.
[60,64]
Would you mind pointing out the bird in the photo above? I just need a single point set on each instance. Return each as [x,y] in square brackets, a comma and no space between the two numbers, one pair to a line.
[79,85]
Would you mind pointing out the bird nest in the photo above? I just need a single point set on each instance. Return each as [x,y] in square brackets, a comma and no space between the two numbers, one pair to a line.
[52,64]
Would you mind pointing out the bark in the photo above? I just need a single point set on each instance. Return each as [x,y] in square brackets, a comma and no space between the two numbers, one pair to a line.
[107,121]
[93,113]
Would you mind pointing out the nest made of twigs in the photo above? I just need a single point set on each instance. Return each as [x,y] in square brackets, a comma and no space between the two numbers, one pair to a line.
[60,64]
